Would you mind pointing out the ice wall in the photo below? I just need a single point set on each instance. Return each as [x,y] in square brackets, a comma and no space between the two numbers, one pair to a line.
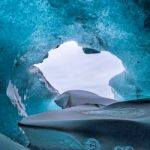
[28,29]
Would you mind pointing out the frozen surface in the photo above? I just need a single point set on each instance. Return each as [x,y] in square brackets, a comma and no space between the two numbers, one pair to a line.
[79,97]
[28,29]
[33,96]
[7,144]
[110,127]
[12,93]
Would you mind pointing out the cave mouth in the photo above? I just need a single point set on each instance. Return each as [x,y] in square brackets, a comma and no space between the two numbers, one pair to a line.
[69,68]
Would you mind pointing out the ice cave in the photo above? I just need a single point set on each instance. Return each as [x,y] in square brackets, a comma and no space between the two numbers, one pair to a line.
[81,120]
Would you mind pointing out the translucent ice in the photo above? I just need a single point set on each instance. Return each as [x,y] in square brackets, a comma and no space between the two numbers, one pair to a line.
[28,29]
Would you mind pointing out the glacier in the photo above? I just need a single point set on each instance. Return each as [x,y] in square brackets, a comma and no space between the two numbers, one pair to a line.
[28,29]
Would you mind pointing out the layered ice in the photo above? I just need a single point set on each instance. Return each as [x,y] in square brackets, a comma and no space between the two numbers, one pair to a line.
[118,126]
[79,97]
[28,29]
[12,93]
[33,96]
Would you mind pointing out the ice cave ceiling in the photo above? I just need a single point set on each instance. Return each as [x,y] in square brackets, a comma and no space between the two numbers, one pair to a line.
[29,28]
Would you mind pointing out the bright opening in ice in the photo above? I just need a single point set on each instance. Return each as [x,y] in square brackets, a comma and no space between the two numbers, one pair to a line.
[69,68]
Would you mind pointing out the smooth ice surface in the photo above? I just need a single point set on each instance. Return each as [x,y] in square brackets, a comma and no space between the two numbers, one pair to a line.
[28,29]
[73,69]
[111,126]
[80,97]
[7,144]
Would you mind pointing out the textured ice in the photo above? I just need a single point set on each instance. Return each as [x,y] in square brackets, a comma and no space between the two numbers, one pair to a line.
[28,29]
[33,96]
[12,93]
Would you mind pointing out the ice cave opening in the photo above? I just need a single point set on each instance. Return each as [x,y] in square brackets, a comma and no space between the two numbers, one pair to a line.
[69,68]
[29,29]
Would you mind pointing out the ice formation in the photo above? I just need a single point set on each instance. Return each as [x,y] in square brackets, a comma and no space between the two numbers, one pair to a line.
[79,97]
[7,144]
[28,29]
[118,126]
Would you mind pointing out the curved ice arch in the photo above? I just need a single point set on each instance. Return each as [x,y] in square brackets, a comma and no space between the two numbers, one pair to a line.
[28,29]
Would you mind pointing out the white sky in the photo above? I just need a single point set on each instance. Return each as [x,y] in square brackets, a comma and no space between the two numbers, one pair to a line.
[68,68]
